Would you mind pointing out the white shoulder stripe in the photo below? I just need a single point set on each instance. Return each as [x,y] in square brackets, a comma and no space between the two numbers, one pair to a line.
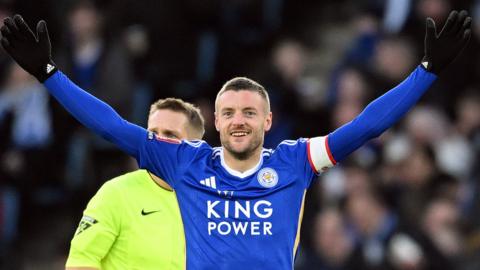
[289,142]
[195,143]
[217,151]
[267,152]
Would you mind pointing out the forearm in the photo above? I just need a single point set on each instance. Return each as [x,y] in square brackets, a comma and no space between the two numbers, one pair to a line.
[380,114]
[95,114]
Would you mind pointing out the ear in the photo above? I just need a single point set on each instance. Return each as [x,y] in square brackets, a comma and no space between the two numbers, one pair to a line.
[268,122]
[216,122]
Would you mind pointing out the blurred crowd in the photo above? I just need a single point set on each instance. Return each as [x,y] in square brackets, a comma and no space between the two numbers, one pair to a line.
[407,200]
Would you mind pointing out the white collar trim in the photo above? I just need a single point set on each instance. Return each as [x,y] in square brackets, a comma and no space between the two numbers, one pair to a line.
[237,173]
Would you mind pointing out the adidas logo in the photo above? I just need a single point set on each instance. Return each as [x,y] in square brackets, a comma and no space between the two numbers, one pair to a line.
[50,68]
[209,182]
[425,64]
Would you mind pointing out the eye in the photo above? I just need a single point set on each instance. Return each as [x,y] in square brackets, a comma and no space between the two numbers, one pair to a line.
[227,114]
[170,135]
[173,137]
[250,113]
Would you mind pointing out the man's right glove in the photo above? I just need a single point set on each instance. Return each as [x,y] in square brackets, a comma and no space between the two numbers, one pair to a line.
[32,52]
[441,49]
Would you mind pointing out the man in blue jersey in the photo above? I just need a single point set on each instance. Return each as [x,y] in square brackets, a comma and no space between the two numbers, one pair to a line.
[241,204]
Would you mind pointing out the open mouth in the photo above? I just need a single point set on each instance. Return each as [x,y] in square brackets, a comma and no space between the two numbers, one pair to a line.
[239,133]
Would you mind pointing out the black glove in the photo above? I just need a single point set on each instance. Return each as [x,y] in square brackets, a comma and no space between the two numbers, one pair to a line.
[32,52]
[442,49]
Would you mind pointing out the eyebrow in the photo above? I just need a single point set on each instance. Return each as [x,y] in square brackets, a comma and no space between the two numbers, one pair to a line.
[244,109]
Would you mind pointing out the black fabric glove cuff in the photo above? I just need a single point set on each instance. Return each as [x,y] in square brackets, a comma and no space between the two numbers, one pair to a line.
[46,71]
[428,66]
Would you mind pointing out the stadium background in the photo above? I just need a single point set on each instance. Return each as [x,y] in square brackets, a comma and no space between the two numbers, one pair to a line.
[410,198]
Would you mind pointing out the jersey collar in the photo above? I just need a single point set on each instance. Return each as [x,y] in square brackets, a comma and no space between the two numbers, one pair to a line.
[237,173]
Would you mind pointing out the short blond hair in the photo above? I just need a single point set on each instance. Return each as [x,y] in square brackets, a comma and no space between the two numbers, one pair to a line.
[193,113]
[246,84]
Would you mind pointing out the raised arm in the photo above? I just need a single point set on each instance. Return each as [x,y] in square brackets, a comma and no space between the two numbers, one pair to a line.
[95,114]
[380,114]
[33,53]
[440,50]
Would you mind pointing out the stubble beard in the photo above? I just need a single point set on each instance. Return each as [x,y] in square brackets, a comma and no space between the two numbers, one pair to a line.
[246,153]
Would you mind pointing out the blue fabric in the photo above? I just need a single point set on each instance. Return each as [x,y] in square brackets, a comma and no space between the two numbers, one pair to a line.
[95,114]
[31,127]
[85,74]
[380,114]
[233,220]
[236,220]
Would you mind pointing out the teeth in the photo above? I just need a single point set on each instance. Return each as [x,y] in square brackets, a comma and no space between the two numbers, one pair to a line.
[239,134]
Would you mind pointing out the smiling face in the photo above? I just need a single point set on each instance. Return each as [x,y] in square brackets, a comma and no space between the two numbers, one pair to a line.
[242,117]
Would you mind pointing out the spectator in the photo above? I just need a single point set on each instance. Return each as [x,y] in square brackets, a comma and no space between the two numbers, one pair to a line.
[333,248]
[91,59]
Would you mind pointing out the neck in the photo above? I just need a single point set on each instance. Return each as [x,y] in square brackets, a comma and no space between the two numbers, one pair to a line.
[242,165]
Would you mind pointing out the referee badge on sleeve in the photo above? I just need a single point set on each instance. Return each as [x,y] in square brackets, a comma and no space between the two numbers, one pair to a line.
[85,223]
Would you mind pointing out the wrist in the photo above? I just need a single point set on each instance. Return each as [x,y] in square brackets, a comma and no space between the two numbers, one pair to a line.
[46,71]
[428,65]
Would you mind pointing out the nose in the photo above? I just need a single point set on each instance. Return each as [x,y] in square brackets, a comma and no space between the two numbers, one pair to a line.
[238,119]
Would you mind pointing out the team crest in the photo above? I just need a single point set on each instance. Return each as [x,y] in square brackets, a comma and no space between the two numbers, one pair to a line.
[267,177]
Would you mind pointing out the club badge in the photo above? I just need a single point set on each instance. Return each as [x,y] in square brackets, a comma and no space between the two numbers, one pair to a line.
[267,177]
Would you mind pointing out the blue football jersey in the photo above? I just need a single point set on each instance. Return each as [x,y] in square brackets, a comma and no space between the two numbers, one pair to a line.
[235,220]
[239,220]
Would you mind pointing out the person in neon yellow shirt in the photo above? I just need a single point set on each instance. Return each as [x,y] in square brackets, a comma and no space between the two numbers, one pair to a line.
[133,222]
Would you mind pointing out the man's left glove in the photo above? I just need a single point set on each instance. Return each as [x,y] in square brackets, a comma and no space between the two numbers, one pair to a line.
[442,48]
[32,52]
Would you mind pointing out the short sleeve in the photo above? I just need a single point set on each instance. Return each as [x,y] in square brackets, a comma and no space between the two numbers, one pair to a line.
[97,230]
[168,158]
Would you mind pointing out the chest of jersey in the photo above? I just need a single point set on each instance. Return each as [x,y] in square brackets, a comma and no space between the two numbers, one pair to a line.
[241,217]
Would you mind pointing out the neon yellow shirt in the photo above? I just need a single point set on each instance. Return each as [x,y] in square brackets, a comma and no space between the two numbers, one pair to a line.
[131,223]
